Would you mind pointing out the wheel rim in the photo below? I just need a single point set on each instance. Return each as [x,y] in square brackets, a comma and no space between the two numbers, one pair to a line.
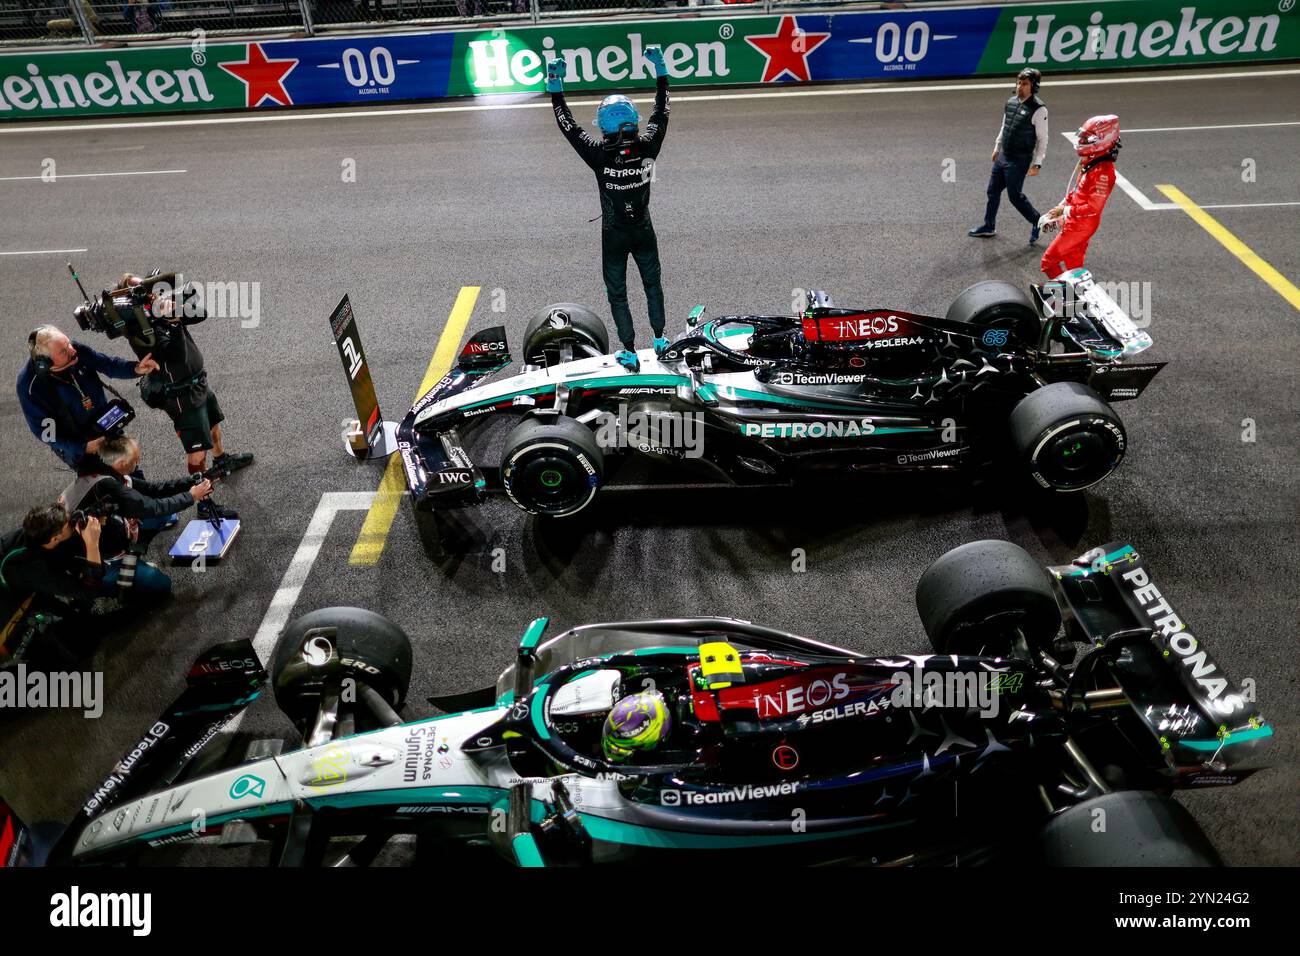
[1076,455]
[550,479]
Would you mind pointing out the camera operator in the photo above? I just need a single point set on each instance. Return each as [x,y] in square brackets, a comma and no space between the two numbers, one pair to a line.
[180,384]
[62,396]
[109,482]
[57,557]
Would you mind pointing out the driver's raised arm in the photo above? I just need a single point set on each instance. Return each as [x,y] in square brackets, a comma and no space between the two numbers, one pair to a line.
[583,144]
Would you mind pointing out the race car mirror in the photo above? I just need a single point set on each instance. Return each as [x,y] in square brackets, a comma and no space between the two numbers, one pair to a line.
[368,435]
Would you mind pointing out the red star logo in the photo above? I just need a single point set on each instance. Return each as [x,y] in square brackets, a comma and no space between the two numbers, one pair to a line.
[263,78]
[787,50]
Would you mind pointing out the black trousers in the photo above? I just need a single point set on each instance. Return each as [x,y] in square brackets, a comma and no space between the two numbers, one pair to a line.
[1009,174]
[616,244]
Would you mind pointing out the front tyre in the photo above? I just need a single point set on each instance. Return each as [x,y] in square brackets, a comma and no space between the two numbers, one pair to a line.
[561,324]
[551,467]
[1067,437]
[322,648]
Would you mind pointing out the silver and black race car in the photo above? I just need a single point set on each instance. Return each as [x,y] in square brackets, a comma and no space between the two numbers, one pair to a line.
[761,399]
[1050,700]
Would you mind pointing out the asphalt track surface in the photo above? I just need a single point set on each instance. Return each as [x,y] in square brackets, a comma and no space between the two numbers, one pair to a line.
[754,197]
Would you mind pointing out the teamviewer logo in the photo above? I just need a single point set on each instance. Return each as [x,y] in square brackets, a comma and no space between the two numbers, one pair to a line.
[670,798]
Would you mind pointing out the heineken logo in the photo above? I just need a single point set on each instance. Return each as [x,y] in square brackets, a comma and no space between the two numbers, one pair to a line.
[1040,39]
[494,64]
[113,87]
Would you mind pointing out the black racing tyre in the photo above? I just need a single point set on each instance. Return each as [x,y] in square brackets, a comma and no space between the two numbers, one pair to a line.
[564,322]
[551,466]
[974,599]
[318,649]
[995,307]
[1067,437]
[1126,828]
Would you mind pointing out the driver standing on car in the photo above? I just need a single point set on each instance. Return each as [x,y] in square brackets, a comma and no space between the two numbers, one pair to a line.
[624,166]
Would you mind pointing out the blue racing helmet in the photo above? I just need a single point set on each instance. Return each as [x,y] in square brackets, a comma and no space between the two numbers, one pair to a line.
[617,115]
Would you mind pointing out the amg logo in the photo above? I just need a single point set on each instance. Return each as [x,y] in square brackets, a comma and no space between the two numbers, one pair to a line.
[1183,645]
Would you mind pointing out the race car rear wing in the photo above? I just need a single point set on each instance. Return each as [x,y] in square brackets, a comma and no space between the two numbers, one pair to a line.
[1183,695]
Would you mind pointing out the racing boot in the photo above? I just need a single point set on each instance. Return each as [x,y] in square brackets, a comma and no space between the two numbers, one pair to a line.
[627,358]
[661,345]
[232,461]
[209,510]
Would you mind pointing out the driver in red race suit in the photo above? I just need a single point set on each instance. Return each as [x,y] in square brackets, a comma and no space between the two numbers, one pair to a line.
[1079,214]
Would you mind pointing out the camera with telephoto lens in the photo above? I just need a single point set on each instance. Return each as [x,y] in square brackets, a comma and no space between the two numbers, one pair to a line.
[130,311]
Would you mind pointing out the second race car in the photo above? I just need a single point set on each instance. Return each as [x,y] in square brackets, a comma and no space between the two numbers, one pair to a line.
[761,399]
[615,740]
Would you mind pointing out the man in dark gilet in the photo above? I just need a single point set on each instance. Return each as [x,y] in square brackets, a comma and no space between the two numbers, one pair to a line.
[1019,151]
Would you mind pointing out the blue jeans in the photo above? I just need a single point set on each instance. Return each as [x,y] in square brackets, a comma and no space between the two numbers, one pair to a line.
[1008,174]
[150,584]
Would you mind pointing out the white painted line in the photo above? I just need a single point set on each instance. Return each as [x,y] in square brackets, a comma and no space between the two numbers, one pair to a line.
[1182,129]
[1244,205]
[57,176]
[295,576]
[538,103]
[1134,193]
[40,252]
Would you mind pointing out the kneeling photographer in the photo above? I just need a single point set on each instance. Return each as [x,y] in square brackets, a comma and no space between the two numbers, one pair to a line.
[110,483]
[180,385]
[73,558]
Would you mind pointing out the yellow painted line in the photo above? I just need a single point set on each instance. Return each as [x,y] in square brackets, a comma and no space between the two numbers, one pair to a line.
[379,519]
[1280,283]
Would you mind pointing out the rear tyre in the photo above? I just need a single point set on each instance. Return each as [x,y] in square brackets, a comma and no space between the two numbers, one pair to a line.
[1002,311]
[561,323]
[551,466]
[318,650]
[1141,829]
[977,598]
[1067,437]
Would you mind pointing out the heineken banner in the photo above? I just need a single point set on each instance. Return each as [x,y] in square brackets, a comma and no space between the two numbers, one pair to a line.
[885,45]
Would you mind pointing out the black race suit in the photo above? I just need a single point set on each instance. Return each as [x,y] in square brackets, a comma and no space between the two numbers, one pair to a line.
[623,175]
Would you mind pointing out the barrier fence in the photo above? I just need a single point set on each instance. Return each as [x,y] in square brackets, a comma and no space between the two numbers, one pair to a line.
[742,47]
[88,22]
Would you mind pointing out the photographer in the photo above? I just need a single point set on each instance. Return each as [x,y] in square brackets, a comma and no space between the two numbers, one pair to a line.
[62,396]
[179,386]
[108,482]
[57,558]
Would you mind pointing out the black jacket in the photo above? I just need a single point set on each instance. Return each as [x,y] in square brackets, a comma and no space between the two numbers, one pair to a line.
[135,497]
[623,173]
[179,362]
[62,573]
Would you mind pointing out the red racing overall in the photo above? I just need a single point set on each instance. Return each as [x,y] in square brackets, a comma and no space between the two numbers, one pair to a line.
[1082,217]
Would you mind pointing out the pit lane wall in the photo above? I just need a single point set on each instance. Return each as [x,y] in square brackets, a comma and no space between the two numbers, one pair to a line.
[704,51]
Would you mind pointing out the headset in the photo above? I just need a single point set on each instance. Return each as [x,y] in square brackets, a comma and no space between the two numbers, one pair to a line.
[42,363]
[1034,77]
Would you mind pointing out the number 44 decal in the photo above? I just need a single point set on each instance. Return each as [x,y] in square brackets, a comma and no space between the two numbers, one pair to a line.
[360,70]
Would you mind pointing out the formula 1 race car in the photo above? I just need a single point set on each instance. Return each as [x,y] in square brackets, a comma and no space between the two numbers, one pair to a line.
[765,741]
[759,399]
